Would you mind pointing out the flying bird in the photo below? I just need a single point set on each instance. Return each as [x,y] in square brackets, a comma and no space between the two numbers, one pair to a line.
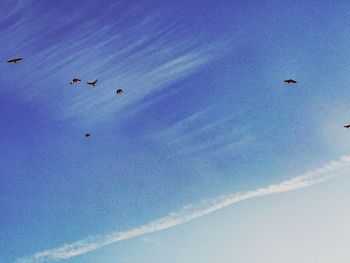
[75,80]
[87,135]
[290,81]
[93,83]
[14,60]
[119,91]
[347,126]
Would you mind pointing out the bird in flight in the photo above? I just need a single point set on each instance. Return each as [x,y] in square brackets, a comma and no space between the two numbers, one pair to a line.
[14,60]
[290,81]
[93,83]
[87,135]
[347,126]
[75,80]
[119,91]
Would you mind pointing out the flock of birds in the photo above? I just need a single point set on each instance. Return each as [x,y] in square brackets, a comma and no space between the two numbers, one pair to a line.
[73,81]
[120,91]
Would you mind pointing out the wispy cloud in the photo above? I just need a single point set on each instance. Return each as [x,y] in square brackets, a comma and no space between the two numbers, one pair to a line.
[205,132]
[190,212]
[142,55]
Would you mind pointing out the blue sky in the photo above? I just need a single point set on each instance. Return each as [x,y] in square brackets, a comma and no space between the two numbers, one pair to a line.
[204,116]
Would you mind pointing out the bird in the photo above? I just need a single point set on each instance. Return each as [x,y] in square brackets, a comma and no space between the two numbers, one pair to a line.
[93,83]
[87,135]
[290,81]
[75,80]
[119,91]
[347,126]
[14,60]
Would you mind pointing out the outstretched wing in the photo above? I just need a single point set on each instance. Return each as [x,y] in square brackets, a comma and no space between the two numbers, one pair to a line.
[92,82]
[75,80]
[14,60]
[288,81]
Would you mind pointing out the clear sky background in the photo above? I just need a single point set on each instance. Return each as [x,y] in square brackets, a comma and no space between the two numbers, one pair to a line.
[204,113]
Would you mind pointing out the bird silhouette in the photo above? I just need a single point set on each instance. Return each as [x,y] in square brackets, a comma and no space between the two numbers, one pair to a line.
[75,80]
[14,60]
[93,83]
[290,81]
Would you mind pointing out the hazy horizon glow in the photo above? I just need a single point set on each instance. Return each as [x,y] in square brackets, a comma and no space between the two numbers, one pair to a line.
[190,212]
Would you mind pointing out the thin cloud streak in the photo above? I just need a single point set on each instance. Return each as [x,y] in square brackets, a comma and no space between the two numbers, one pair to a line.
[194,135]
[142,55]
[191,212]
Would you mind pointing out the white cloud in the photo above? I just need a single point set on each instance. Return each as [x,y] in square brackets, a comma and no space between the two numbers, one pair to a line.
[142,57]
[194,135]
[190,212]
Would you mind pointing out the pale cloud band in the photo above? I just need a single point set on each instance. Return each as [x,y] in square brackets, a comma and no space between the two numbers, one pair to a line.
[191,212]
